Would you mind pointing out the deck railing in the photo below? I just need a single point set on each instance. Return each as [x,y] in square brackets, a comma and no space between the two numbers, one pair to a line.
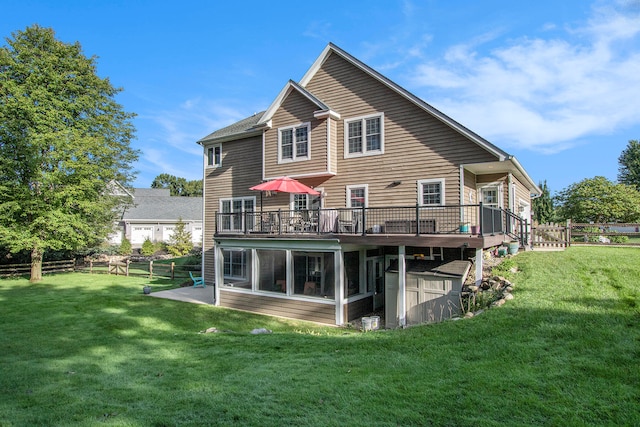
[415,220]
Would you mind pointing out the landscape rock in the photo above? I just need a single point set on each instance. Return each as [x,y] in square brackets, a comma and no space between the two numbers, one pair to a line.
[498,303]
[260,331]
[211,331]
[468,314]
[508,296]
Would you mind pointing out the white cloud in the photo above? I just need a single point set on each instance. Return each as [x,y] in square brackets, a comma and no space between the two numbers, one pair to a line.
[167,138]
[542,94]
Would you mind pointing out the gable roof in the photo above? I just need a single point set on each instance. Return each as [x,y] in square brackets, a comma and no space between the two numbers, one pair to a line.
[331,48]
[255,124]
[284,93]
[155,204]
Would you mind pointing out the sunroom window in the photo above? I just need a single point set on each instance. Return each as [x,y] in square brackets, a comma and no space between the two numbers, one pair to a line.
[237,268]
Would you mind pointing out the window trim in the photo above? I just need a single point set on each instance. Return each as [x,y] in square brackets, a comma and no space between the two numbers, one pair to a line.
[231,200]
[421,184]
[214,164]
[295,157]
[350,188]
[243,264]
[364,152]
[498,187]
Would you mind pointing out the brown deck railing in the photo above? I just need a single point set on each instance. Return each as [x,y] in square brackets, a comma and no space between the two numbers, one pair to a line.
[416,220]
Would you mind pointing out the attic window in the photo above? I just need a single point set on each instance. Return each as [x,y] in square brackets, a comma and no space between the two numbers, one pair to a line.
[294,143]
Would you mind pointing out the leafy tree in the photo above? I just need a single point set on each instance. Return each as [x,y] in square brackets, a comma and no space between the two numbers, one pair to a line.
[543,210]
[63,140]
[178,186]
[180,243]
[629,168]
[599,200]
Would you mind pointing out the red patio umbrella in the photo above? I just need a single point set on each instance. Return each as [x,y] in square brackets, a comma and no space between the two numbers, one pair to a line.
[285,185]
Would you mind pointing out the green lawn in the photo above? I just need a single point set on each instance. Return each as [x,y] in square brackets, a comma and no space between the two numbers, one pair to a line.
[81,349]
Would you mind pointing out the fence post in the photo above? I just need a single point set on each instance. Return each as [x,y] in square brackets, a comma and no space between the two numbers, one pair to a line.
[90,266]
[150,269]
[568,234]
[173,266]
[127,268]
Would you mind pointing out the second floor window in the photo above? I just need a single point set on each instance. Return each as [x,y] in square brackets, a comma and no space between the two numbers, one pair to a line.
[293,143]
[214,156]
[364,136]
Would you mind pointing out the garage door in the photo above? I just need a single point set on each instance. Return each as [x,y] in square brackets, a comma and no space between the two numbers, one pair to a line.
[196,236]
[139,234]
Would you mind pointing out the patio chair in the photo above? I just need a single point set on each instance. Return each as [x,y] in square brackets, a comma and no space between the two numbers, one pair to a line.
[197,281]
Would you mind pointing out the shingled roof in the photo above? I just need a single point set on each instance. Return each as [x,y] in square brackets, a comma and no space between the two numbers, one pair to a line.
[236,130]
[155,204]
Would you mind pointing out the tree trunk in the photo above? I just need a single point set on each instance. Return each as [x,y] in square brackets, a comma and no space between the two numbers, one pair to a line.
[36,265]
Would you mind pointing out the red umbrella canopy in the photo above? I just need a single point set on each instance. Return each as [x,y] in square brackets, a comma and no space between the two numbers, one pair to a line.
[285,185]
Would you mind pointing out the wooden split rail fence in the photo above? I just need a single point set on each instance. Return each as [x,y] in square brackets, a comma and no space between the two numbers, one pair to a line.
[47,267]
[122,268]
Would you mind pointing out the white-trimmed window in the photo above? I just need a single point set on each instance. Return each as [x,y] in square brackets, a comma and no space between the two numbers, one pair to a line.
[299,202]
[491,195]
[357,196]
[214,156]
[231,217]
[364,136]
[431,192]
[235,264]
[294,143]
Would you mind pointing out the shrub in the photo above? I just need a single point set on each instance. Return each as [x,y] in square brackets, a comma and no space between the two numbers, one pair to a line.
[148,248]
[619,239]
[125,247]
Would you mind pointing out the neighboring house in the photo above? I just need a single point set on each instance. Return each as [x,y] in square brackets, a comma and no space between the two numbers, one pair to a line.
[408,197]
[154,214]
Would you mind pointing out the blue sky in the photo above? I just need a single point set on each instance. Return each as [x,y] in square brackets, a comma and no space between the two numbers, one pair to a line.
[555,83]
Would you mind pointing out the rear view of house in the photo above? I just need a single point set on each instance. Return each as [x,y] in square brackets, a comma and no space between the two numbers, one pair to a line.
[407,198]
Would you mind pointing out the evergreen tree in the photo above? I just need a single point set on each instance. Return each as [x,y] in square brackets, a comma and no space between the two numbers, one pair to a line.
[629,164]
[543,210]
[180,243]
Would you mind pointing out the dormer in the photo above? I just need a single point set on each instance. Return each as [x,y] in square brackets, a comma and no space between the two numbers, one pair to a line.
[299,138]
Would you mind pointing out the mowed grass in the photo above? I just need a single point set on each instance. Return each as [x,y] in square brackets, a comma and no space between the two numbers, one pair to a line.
[81,349]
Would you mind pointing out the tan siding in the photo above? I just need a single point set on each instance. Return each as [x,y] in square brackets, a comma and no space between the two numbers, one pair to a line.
[417,146]
[296,109]
[470,188]
[241,169]
[522,192]
[302,310]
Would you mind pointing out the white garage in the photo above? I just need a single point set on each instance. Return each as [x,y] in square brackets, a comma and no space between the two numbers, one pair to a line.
[140,233]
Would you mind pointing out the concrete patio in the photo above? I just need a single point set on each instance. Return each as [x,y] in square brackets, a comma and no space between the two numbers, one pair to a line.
[197,295]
